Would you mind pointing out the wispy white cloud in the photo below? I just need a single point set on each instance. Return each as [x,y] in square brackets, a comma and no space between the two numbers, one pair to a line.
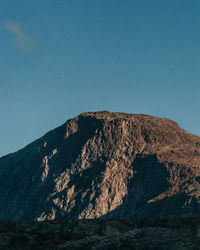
[21,40]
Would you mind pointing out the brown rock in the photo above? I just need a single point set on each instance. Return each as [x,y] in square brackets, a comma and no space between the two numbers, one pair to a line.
[106,164]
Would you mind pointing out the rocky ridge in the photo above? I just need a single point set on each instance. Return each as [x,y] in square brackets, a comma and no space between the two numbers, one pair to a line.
[102,164]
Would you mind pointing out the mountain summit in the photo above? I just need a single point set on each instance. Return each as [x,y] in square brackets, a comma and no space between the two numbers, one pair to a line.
[103,164]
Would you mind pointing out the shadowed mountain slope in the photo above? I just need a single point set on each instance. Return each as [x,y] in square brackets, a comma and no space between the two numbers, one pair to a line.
[103,164]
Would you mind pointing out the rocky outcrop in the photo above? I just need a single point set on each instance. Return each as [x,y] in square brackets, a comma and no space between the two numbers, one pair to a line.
[172,233]
[110,165]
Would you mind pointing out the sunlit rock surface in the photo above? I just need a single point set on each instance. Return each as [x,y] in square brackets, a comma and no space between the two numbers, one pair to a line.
[103,164]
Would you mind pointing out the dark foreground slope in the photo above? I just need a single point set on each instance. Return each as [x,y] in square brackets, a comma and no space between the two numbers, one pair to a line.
[103,164]
[172,233]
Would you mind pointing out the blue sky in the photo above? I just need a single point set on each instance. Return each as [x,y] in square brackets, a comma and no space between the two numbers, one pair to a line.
[60,58]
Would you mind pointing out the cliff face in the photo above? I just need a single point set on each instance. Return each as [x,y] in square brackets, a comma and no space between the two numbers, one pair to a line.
[103,164]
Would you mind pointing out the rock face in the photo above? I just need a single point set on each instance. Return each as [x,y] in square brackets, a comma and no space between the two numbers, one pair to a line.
[110,165]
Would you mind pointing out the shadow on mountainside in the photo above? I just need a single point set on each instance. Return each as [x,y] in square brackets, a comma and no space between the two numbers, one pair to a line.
[19,194]
[149,180]
[62,162]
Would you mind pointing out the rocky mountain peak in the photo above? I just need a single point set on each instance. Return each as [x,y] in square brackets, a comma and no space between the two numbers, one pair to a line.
[103,164]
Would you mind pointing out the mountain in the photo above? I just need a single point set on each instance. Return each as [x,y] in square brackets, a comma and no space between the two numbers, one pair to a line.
[103,164]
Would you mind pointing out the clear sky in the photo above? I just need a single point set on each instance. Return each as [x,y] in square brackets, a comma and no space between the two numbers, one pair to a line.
[59,58]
